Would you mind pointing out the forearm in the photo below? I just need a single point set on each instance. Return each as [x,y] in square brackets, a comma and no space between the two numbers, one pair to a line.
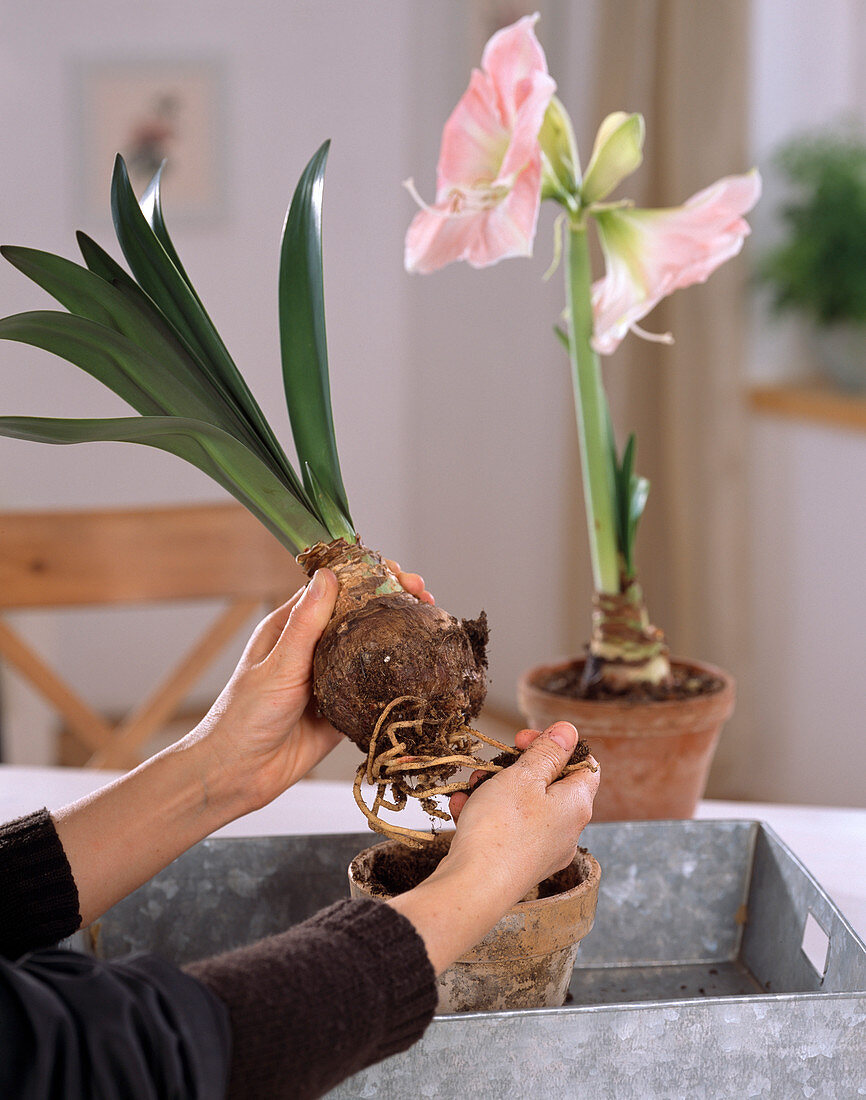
[456,907]
[318,1002]
[118,837]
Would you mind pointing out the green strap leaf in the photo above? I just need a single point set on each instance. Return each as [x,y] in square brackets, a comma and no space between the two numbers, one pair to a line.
[100,263]
[631,492]
[151,206]
[562,337]
[337,522]
[302,336]
[213,451]
[87,295]
[103,265]
[152,343]
[106,267]
[120,304]
[98,350]
[626,470]
[73,286]
[158,277]
[151,382]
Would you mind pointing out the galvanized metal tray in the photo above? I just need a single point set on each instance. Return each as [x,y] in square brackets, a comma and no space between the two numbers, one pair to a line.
[717,967]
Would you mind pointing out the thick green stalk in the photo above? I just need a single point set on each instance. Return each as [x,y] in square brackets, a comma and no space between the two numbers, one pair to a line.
[590,402]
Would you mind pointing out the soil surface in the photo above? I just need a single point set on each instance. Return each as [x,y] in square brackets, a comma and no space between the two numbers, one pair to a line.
[687,683]
[397,869]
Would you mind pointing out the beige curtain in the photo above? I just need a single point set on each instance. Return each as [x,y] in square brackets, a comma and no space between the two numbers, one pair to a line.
[684,65]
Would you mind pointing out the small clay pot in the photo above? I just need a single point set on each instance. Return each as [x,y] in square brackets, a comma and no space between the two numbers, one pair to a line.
[655,756]
[527,959]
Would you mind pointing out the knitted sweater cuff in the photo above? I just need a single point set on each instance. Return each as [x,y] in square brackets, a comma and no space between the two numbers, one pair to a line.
[39,899]
[400,966]
[321,1001]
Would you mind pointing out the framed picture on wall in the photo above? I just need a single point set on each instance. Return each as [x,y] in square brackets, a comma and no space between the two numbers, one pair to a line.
[152,111]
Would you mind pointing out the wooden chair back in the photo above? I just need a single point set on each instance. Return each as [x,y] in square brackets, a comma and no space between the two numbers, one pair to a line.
[115,557]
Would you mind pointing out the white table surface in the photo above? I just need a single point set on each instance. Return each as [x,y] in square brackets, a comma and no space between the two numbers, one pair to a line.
[830,842]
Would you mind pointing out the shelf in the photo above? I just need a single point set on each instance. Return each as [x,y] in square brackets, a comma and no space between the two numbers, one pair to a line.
[811,401]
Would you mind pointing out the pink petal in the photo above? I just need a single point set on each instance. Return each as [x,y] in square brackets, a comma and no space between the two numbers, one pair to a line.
[493,130]
[474,140]
[509,228]
[511,55]
[534,94]
[481,236]
[488,188]
[651,253]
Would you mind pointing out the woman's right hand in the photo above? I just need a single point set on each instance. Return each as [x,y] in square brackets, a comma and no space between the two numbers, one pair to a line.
[517,829]
[524,823]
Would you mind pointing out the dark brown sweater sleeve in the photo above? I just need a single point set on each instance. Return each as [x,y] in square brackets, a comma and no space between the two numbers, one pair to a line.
[321,1001]
[38,896]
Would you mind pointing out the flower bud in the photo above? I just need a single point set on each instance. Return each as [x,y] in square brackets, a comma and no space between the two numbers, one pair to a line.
[617,152]
[561,167]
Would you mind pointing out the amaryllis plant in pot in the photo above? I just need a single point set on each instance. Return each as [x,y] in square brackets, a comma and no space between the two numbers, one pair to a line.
[509,145]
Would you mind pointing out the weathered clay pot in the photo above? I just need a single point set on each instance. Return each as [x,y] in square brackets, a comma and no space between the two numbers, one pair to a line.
[655,756]
[526,960]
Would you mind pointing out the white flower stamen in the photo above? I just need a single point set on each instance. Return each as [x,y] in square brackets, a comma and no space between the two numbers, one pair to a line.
[409,184]
[652,337]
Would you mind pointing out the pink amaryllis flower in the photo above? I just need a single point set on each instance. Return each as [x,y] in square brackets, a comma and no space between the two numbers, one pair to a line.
[488,189]
[651,253]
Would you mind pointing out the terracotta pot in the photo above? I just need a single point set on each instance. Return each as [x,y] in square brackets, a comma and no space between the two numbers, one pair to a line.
[655,757]
[527,959]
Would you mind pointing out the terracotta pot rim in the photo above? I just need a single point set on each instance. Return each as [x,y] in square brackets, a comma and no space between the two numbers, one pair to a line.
[587,885]
[527,682]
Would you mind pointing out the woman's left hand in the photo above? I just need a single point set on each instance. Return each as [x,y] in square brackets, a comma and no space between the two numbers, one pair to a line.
[264,728]
[260,736]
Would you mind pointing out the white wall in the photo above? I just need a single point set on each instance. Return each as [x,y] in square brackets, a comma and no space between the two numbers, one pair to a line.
[809,530]
[807,505]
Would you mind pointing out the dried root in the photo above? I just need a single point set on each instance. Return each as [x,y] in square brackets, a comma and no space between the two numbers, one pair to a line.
[424,776]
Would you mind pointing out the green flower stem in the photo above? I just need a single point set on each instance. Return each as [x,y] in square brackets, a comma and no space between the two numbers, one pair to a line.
[590,403]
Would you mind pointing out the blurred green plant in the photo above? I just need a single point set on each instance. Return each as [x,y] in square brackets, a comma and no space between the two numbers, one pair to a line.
[818,268]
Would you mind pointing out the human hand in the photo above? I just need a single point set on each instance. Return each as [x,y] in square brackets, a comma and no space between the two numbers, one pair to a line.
[260,736]
[264,729]
[524,823]
[263,732]
[516,830]
[412,582]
